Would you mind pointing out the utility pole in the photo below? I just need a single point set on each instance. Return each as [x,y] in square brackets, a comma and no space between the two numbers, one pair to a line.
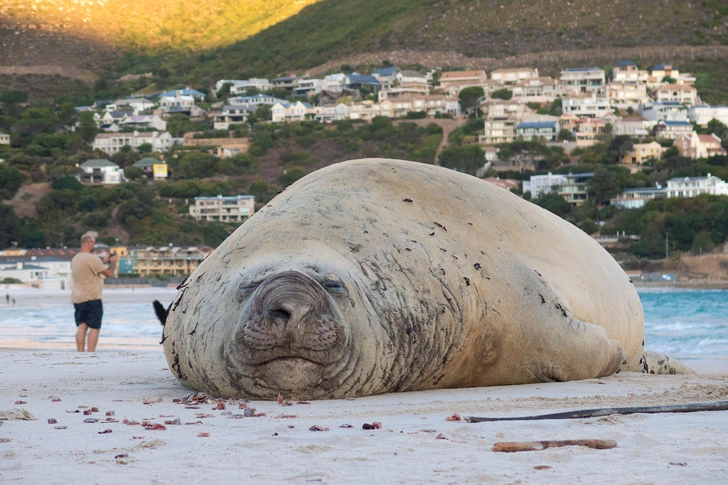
[667,238]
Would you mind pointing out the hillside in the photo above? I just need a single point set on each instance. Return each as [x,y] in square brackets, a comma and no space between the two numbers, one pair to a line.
[220,38]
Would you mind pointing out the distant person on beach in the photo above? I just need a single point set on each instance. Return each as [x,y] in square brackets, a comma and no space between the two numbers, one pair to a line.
[87,268]
[7,298]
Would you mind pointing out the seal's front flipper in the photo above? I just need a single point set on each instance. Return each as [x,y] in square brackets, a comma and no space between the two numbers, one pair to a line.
[654,363]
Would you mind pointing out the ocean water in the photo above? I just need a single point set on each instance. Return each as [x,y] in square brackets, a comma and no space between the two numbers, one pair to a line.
[677,322]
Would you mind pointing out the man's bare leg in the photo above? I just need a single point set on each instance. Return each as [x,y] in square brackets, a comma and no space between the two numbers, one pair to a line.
[81,337]
[93,339]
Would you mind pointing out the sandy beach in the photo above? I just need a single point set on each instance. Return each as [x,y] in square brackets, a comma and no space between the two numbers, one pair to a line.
[119,416]
[416,443]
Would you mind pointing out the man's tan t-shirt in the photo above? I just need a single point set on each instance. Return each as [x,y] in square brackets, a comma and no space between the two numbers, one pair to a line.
[87,280]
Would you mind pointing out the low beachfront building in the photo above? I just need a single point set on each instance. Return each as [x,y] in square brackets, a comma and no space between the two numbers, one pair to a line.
[236,208]
[150,261]
[694,186]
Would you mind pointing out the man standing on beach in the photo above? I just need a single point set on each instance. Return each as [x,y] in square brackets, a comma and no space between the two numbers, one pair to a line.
[87,269]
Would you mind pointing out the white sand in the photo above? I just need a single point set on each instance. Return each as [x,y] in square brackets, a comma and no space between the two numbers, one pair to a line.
[660,449]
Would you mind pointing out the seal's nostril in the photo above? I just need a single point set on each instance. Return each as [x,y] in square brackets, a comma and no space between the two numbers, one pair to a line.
[276,314]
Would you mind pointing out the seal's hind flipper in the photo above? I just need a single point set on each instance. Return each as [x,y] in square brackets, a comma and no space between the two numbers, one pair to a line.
[655,363]
[160,312]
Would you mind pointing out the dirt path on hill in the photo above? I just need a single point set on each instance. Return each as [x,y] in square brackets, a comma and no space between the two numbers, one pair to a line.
[63,71]
[447,125]
[24,201]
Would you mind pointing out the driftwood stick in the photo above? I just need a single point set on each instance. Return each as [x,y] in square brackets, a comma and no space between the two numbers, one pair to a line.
[593,413]
[512,446]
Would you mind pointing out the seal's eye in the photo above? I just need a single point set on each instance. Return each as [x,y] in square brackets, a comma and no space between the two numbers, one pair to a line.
[334,284]
[245,288]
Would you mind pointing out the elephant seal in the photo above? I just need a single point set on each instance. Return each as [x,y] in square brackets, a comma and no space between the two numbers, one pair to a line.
[373,276]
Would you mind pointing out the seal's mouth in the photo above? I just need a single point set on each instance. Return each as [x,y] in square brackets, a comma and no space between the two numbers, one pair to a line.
[290,374]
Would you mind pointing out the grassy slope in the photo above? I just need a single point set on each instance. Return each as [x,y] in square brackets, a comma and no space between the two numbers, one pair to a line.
[477,28]
[152,24]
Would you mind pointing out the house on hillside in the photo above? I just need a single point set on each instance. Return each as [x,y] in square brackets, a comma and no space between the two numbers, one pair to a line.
[696,146]
[623,94]
[583,79]
[626,71]
[153,169]
[536,90]
[230,114]
[498,129]
[241,87]
[235,208]
[540,185]
[694,186]
[139,104]
[702,114]
[327,114]
[287,111]
[588,130]
[664,110]
[251,103]
[184,92]
[386,75]
[454,81]
[663,70]
[535,130]
[513,75]
[682,93]
[99,171]
[586,104]
[111,143]
[4,138]
[672,129]
[180,104]
[641,152]
[142,122]
[308,87]
[362,81]
[334,82]
[289,83]
[638,197]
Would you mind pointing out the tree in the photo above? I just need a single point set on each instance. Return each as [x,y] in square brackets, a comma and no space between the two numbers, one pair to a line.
[87,126]
[565,134]
[503,93]
[11,98]
[133,173]
[290,175]
[468,158]
[10,181]
[603,186]
[470,98]
[145,148]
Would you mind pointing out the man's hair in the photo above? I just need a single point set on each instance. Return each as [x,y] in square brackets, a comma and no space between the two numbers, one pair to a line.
[88,237]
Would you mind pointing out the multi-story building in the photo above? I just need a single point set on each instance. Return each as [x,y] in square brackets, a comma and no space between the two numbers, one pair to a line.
[100,171]
[696,146]
[623,94]
[242,87]
[636,128]
[153,169]
[286,111]
[386,75]
[585,105]
[663,70]
[672,129]
[147,261]
[236,208]
[111,143]
[637,198]
[514,75]
[626,72]
[574,189]
[498,130]
[327,114]
[702,114]
[308,87]
[588,130]
[289,83]
[543,184]
[536,90]
[682,93]
[454,81]
[251,103]
[230,115]
[665,110]
[583,79]
[534,130]
[694,186]
[641,152]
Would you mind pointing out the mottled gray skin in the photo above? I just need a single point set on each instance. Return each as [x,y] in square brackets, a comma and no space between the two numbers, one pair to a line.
[375,276]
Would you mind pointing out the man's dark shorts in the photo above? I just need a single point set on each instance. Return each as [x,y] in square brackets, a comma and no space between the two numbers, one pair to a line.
[90,313]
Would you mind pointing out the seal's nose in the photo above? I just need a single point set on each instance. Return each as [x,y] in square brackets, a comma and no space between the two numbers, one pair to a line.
[290,311]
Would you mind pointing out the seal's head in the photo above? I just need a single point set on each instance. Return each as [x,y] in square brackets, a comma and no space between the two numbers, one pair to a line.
[293,335]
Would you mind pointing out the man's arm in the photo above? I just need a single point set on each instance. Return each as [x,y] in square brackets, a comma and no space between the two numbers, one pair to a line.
[109,272]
